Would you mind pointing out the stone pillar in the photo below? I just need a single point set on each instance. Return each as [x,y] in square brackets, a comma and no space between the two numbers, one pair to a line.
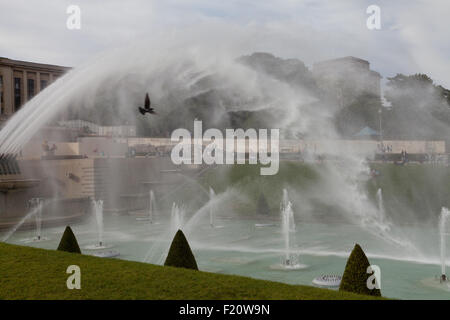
[1,90]
[25,87]
[38,82]
[8,90]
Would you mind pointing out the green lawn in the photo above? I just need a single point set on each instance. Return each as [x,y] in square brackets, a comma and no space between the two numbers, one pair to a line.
[412,192]
[421,190]
[30,273]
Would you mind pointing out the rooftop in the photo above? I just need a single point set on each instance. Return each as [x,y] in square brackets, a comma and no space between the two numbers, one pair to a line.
[33,65]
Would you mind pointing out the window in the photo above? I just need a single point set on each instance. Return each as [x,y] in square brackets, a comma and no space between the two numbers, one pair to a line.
[17,93]
[43,84]
[30,88]
[1,95]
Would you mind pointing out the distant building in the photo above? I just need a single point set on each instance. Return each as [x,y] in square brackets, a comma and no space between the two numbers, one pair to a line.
[346,78]
[21,80]
[93,129]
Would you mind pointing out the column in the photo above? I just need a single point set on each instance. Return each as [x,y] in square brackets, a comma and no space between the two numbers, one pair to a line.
[8,90]
[38,82]
[1,90]
[24,87]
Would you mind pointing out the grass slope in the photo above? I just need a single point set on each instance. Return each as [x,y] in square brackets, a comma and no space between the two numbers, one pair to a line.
[419,191]
[30,273]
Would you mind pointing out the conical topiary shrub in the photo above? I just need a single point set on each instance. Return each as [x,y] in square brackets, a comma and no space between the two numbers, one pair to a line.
[355,274]
[68,242]
[263,206]
[180,254]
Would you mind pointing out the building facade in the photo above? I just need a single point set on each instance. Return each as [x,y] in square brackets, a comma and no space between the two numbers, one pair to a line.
[21,80]
[86,128]
[346,78]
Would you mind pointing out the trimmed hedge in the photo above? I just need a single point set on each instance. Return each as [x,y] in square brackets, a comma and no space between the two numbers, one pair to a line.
[68,242]
[180,254]
[355,274]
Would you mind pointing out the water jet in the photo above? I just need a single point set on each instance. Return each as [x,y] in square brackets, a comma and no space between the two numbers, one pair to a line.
[97,208]
[445,214]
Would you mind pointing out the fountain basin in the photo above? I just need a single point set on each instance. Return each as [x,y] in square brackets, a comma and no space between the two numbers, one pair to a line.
[290,262]
[97,247]
[288,267]
[106,254]
[264,225]
[35,239]
[143,219]
[326,280]
[436,283]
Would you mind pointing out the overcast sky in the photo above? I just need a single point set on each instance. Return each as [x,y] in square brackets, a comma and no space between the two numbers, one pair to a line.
[413,37]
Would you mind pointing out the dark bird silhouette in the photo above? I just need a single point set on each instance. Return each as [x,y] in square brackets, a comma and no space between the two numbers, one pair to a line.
[147,108]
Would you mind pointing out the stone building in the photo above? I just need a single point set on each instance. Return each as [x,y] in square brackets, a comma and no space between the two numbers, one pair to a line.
[344,79]
[21,80]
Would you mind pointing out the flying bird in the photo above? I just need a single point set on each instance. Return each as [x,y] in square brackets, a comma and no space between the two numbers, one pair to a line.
[146,107]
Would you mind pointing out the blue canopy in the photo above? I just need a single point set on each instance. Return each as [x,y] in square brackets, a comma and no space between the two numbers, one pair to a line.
[366,131]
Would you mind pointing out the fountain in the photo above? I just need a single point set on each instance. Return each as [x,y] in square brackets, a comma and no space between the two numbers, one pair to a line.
[38,217]
[97,208]
[327,281]
[441,282]
[381,218]
[151,208]
[34,208]
[286,212]
[98,211]
[177,218]
[380,201]
[212,198]
[290,260]
[36,205]
[445,214]
[84,83]
[211,211]
[158,249]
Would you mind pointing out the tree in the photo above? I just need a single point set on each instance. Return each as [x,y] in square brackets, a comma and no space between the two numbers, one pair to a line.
[362,112]
[68,242]
[291,71]
[180,254]
[355,274]
[420,109]
[263,206]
